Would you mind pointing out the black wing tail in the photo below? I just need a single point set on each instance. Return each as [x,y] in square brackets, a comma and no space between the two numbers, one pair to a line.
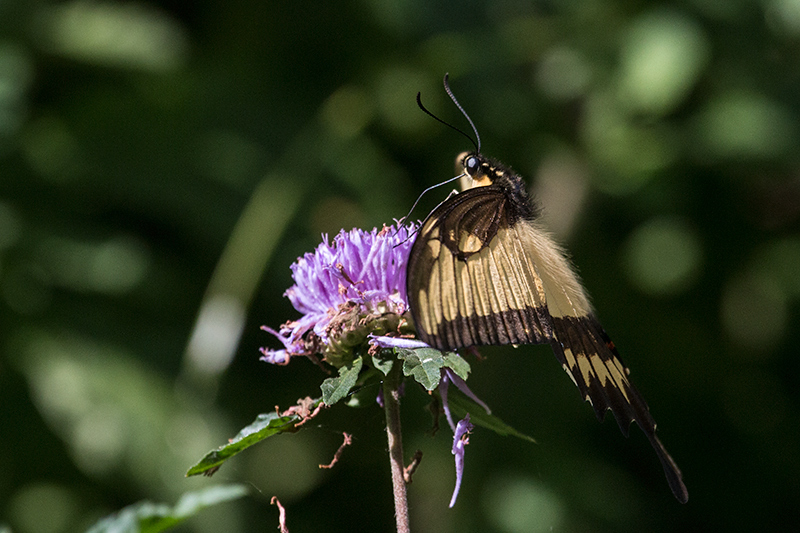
[591,360]
[671,470]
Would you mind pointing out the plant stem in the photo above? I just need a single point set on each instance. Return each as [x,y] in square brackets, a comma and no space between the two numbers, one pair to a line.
[391,402]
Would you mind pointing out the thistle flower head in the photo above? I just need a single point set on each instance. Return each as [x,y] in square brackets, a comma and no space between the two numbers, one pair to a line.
[346,290]
[352,293]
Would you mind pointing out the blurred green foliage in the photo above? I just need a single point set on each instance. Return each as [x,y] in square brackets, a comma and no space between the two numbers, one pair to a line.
[162,163]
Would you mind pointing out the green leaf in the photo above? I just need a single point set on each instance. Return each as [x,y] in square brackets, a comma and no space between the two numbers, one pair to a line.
[334,389]
[423,364]
[148,517]
[457,364]
[383,361]
[461,405]
[265,425]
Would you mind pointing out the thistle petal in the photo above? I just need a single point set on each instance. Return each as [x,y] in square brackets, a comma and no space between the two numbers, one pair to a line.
[460,440]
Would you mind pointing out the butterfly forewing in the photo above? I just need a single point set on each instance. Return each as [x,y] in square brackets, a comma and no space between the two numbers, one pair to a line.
[470,279]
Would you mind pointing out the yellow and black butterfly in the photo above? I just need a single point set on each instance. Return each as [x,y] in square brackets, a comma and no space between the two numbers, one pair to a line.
[483,272]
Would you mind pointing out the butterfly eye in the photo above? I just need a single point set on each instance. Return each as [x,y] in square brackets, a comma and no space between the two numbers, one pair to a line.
[471,165]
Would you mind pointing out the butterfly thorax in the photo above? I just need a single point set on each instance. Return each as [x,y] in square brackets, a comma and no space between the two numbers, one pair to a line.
[486,172]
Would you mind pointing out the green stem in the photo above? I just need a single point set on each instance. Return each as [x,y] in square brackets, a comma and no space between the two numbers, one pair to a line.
[391,402]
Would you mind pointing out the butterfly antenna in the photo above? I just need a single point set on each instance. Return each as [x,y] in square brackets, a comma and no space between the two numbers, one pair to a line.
[453,98]
[419,103]
[445,182]
[426,190]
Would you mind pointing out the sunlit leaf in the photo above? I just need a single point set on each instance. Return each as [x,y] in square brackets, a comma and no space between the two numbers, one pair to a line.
[265,425]
[457,364]
[334,389]
[423,364]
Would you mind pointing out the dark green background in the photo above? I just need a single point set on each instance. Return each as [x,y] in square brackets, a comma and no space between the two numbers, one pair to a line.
[162,160]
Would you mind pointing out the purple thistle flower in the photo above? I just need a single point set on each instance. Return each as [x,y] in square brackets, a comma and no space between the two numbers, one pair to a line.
[353,292]
[345,290]
[460,440]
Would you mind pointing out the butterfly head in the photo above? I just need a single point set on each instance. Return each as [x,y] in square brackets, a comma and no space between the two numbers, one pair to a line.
[476,168]
[483,171]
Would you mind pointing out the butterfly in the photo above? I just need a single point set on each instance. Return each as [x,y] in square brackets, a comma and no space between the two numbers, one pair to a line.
[483,271]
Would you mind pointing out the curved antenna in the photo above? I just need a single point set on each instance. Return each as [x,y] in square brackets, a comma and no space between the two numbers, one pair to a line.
[417,201]
[428,189]
[419,103]
[453,98]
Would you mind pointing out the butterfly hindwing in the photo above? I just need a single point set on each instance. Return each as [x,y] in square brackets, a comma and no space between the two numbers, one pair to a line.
[591,360]
[587,353]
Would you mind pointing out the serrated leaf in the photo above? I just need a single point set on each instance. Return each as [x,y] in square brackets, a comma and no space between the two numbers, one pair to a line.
[457,364]
[334,389]
[423,364]
[461,405]
[265,425]
[149,517]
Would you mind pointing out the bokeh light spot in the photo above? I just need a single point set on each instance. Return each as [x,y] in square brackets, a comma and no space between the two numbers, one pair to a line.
[740,125]
[563,73]
[129,35]
[627,154]
[663,256]
[663,55]
[113,266]
[516,504]
[43,508]
[16,73]
[347,112]
[783,16]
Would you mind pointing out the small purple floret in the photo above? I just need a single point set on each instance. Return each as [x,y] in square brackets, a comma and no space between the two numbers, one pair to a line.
[448,376]
[460,440]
